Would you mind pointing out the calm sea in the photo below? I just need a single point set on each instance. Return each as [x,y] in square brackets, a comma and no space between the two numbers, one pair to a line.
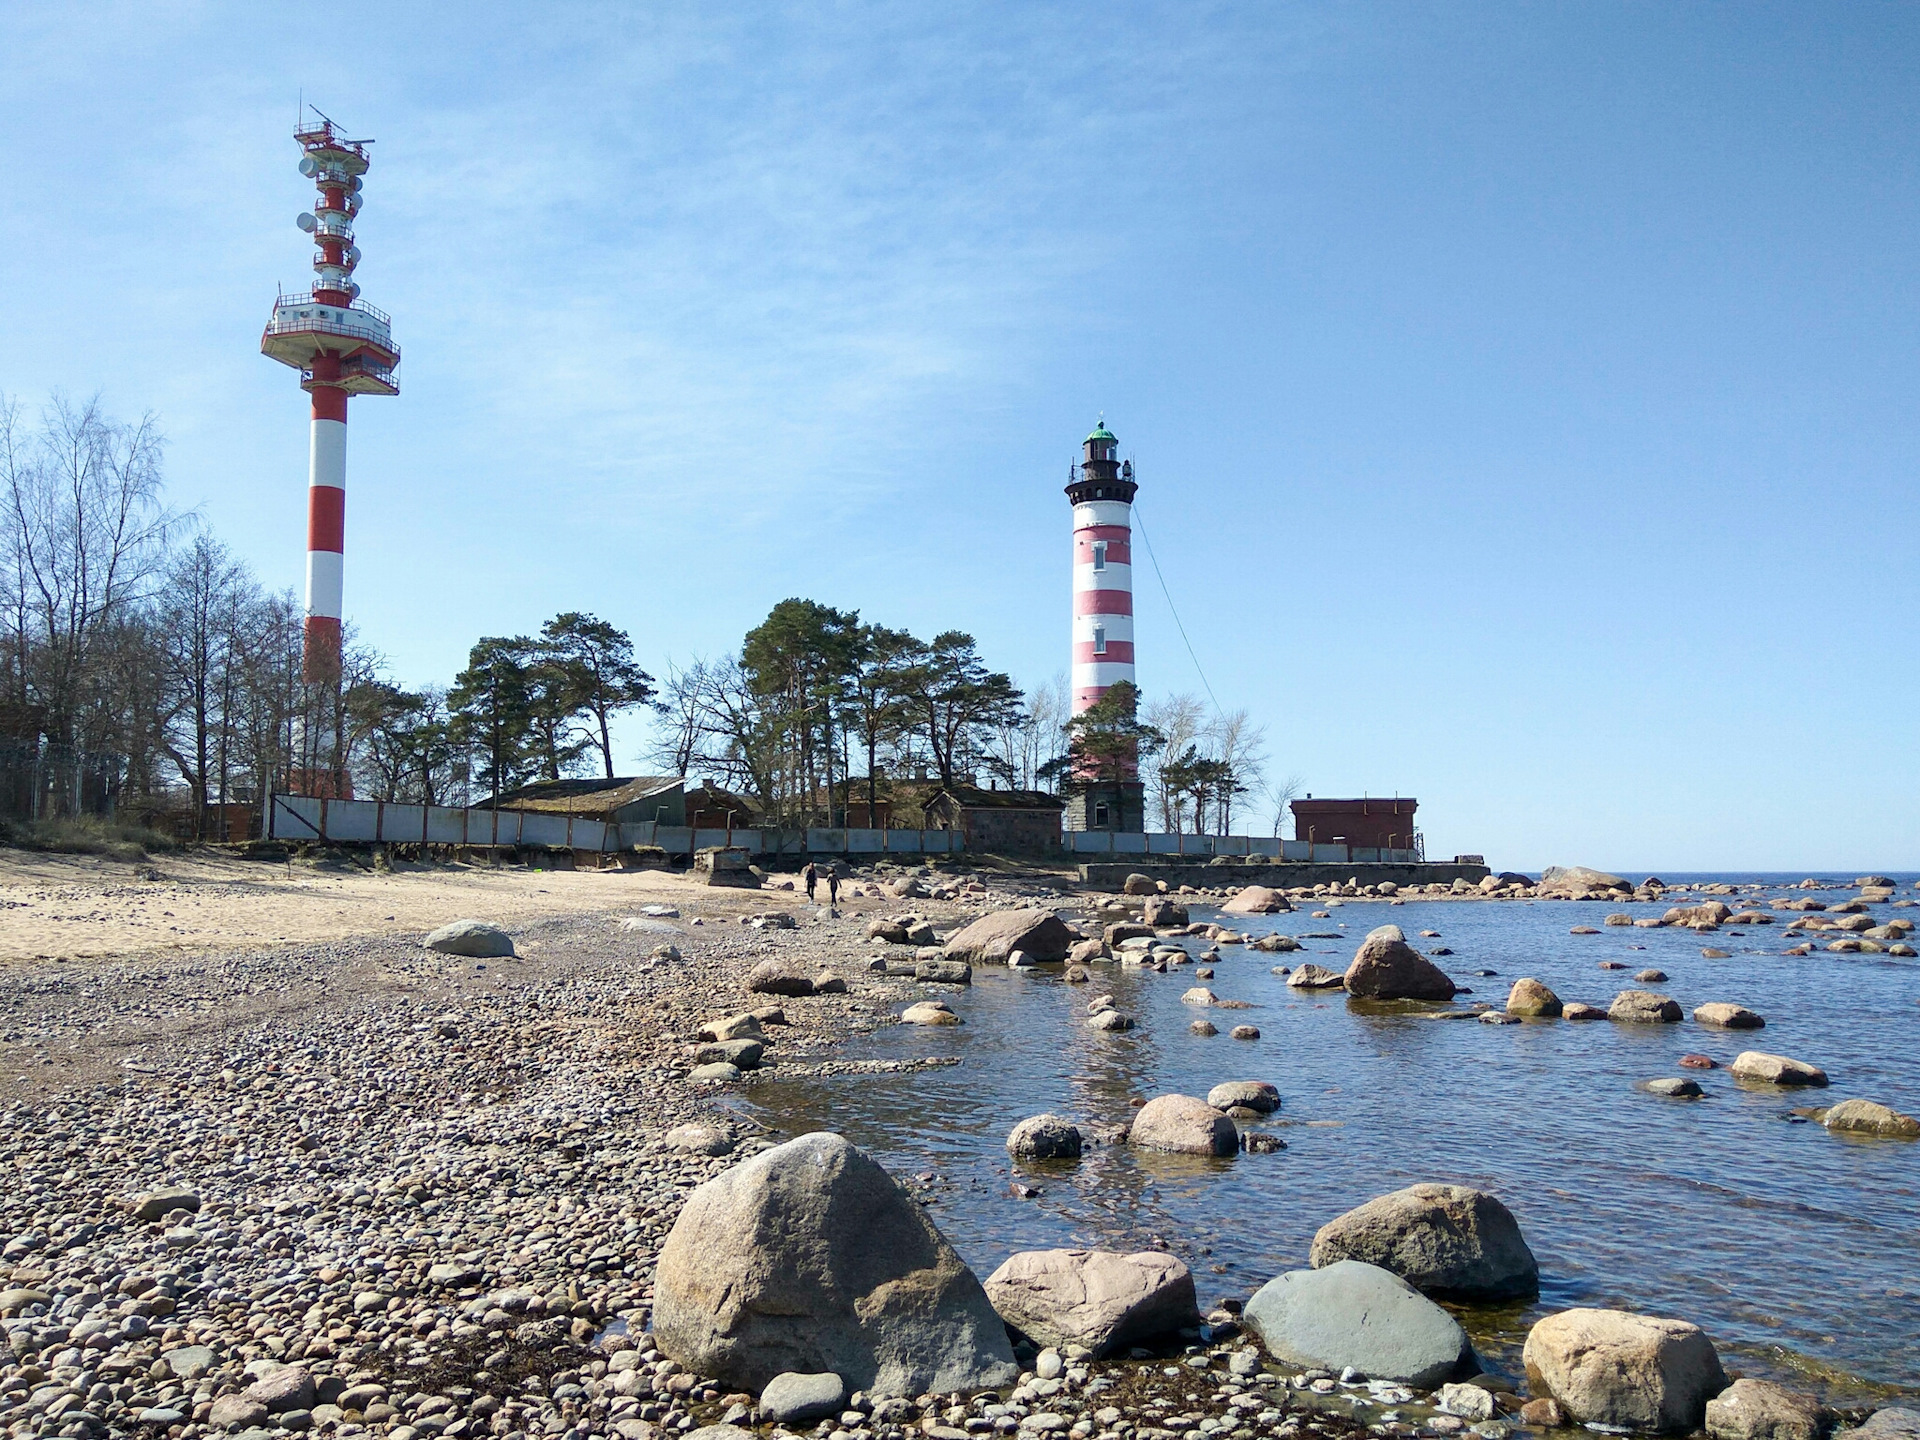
[1797,1250]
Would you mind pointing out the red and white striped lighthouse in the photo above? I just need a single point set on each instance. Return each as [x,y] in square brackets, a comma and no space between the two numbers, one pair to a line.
[1102,490]
[341,346]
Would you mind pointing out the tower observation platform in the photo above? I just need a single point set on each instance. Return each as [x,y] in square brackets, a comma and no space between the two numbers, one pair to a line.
[342,347]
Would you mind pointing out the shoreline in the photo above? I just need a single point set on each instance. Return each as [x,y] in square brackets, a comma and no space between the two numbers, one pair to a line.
[481,1145]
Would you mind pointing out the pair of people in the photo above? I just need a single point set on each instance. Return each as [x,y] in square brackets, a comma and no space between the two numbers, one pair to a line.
[813,875]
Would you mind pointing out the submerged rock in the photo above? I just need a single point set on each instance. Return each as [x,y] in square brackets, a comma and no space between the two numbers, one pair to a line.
[810,1258]
[1446,1240]
[1727,1016]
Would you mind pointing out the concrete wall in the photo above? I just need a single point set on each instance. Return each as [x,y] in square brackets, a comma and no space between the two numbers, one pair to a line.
[1106,875]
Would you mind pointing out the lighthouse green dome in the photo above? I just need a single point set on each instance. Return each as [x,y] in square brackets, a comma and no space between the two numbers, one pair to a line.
[1100,432]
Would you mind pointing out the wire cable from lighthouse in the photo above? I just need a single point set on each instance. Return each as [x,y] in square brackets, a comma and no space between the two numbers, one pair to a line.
[1174,610]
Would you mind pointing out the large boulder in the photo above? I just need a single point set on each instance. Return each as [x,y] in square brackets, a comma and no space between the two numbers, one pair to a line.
[1138,884]
[1709,916]
[810,1258]
[1762,1410]
[1445,1240]
[779,977]
[1643,1007]
[1163,913]
[1185,1126]
[1093,1298]
[1315,977]
[1761,1068]
[1044,1137]
[1532,998]
[1387,968]
[1580,877]
[1864,1117]
[992,938]
[474,938]
[1351,1313]
[1636,1372]
[1891,1422]
[1257,900]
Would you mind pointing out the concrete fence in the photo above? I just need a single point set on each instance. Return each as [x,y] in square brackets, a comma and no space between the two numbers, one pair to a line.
[376,822]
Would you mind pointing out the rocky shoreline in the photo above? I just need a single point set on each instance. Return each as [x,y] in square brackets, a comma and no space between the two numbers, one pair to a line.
[367,1189]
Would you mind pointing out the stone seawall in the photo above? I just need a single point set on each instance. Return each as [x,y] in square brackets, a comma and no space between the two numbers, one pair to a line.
[1111,874]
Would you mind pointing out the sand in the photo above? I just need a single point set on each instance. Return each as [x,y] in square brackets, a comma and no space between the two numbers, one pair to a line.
[75,907]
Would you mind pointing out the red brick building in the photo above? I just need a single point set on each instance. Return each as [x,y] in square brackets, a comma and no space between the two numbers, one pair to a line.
[1363,824]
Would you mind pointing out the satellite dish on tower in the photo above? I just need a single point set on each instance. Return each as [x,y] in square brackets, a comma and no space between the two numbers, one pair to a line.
[306,222]
[308,166]
[353,255]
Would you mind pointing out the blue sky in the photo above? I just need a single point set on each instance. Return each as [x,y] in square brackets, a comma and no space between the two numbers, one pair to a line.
[1523,395]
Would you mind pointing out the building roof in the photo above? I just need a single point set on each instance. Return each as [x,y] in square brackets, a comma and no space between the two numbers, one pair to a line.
[1100,431]
[972,797]
[586,797]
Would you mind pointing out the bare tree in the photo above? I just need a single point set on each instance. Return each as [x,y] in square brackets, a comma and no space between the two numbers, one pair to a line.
[1180,718]
[1278,794]
[82,533]
[1240,745]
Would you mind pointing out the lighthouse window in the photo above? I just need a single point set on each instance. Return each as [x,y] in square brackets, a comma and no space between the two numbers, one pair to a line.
[1099,639]
[1099,554]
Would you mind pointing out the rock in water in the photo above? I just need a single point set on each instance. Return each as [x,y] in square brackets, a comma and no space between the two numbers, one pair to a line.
[809,1257]
[1387,968]
[1248,1094]
[1530,997]
[943,972]
[1864,1117]
[1892,1422]
[798,1399]
[1257,900]
[1093,1298]
[1643,1007]
[1315,977]
[1138,884]
[992,938]
[929,1012]
[1184,1125]
[1761,1410]
[1044,1137]
[1637,1372]
[1446,1240]
[1765,1069]
[474,938]
[1160,913]
[1356,1314]
[1580,877]
[1727,1016]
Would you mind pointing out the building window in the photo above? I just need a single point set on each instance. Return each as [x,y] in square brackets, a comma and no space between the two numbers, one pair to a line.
[1099,554]
[1099,639]
[1099,817]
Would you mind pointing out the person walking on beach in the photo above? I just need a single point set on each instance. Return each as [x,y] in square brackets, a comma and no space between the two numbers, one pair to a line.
[833,884]
[812,877]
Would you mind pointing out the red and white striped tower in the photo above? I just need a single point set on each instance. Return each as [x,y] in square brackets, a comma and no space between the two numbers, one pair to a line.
[1102,490]
[341,346]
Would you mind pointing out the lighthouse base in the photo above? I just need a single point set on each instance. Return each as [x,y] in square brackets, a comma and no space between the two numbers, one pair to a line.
[1121,808]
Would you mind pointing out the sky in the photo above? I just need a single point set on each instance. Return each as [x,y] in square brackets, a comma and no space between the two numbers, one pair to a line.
[1522,395]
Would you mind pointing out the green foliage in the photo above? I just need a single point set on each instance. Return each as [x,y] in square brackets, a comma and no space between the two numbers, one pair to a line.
[1106,743]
